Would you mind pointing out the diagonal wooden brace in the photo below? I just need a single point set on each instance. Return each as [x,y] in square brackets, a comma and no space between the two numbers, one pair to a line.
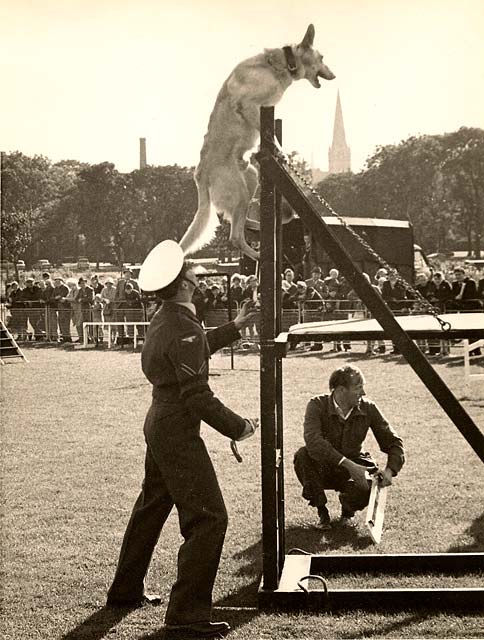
[311,212]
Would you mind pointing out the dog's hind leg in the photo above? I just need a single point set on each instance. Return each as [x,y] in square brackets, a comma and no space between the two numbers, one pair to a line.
[229,193]
[251,177]
[237,231]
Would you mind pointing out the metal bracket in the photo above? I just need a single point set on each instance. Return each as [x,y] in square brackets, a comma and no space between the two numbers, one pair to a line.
[311,577]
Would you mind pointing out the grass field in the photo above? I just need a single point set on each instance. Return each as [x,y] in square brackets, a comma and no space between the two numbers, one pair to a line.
[72,464]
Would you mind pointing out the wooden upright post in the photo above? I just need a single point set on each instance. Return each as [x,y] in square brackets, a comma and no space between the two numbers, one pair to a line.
[270,543]
[281,532]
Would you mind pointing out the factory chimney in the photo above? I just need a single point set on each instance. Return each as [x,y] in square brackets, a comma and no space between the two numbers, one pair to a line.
[142,153]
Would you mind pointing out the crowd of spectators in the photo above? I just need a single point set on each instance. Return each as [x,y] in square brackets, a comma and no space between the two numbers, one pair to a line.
[54,306]
[331,297]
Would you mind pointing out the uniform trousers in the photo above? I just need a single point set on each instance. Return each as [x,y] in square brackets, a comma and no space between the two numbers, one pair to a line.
[315,478]
[178,471]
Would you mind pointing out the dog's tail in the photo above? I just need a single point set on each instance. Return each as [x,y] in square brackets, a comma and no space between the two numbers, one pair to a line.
[203,226]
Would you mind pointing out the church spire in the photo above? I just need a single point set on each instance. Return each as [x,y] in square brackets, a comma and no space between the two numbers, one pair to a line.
[339,153]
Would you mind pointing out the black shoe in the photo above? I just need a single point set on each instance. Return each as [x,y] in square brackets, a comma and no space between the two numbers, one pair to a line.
[347,518]
[324,520]
[349,523]
[201,629]
[151,600]
[347,513]
[316,347]
[381,349]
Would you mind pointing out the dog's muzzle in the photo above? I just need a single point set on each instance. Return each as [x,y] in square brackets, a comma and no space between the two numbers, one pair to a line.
[326,73]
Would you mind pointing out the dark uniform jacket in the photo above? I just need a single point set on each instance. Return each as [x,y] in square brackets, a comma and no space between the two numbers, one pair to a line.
[120,296]
[467,287]
[175,360]
[320,286]
[132,299]
[393,296]
[237,294]
[31,296]
[480,290]
[441,294]
[328,437]
[14,299]
[58,297]
[46,294]
[85,297]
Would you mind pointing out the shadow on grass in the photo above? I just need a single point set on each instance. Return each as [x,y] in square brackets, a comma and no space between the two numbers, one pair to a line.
[450,361]
[97,625]
[315,541]
[476,530]
[234,618]
[239,607]
[303,537]
[378,630]
[39,344]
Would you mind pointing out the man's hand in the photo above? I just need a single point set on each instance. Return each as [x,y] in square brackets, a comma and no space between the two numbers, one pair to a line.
[357,473]
[251,426]
[247,315]
[386,477]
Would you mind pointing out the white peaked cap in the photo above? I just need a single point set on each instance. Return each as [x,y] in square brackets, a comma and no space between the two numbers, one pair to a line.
[161,266]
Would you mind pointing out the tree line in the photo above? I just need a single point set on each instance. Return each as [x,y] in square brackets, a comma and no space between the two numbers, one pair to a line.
[53,210]
[436,182]
[68,208]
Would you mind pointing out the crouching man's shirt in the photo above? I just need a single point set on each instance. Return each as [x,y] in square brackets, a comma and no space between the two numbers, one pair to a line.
[329,436]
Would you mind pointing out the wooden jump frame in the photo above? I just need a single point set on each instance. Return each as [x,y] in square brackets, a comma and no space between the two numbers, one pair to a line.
[283,575]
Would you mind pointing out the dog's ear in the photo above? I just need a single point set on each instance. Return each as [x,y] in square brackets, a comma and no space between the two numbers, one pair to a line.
[308,39]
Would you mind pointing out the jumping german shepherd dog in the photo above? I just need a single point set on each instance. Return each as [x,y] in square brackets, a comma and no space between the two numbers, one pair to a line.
[226,180]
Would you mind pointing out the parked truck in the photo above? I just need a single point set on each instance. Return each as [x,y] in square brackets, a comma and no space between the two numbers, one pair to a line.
[393,240]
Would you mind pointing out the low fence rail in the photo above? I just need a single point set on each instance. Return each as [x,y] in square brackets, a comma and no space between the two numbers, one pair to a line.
[127,324]
[97,329]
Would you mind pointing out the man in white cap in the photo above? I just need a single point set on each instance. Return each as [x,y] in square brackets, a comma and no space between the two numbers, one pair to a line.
[178,469]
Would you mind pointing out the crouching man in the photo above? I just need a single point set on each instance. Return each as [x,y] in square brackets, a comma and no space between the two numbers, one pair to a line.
[335,427]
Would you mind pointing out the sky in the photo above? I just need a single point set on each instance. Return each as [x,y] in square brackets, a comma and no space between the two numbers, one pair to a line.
[85,80]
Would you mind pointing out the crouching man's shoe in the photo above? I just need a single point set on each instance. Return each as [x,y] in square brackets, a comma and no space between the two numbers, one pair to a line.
[146,600]
[201,629]
[324,523]
[347,519]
